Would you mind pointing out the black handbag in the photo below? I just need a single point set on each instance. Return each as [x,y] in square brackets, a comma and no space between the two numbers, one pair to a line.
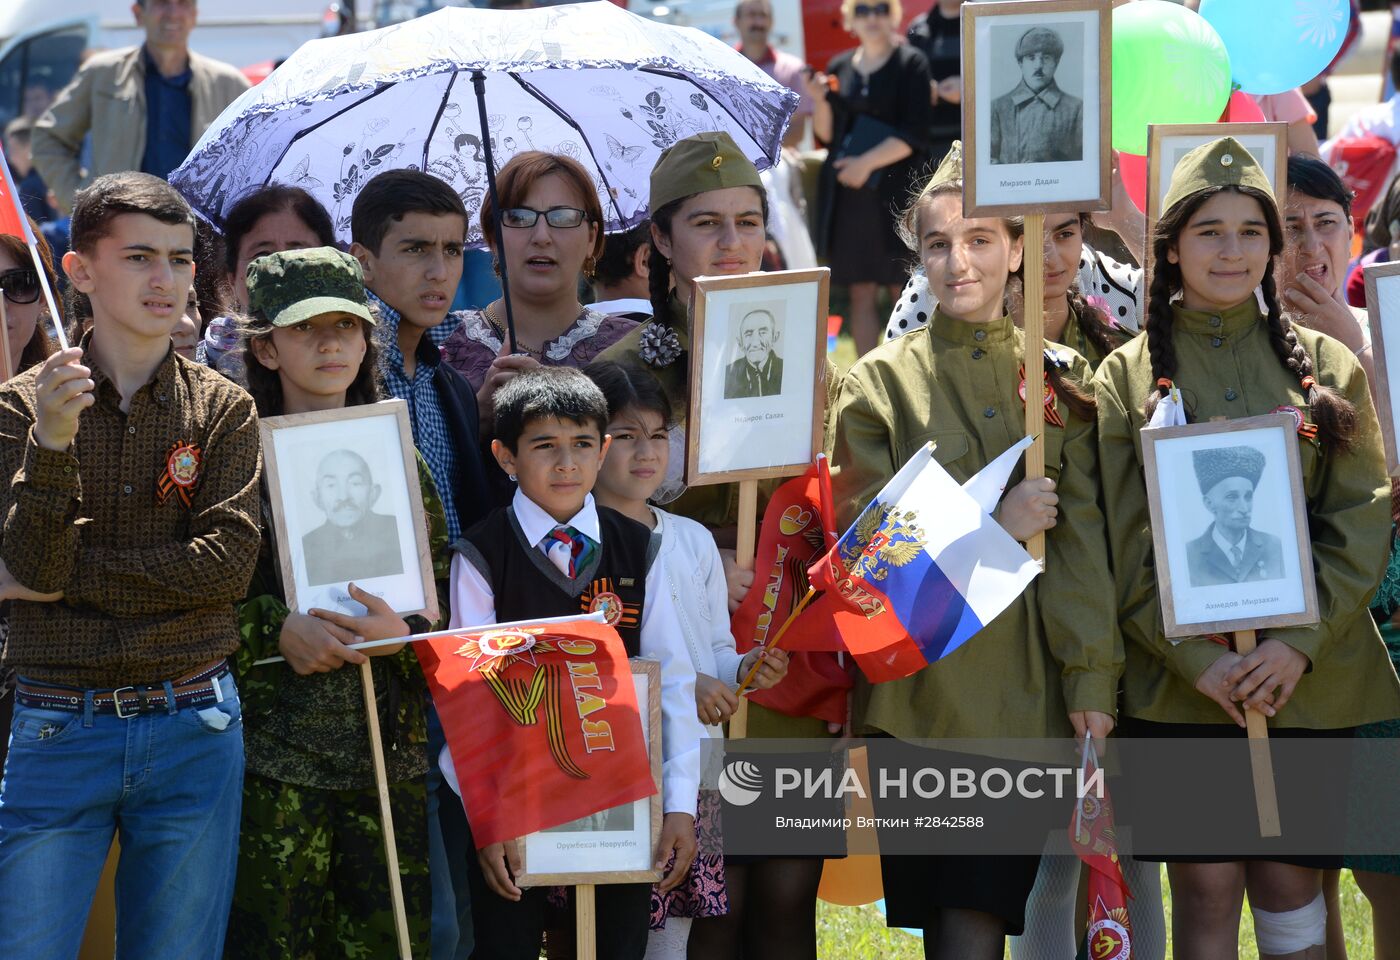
[865,134]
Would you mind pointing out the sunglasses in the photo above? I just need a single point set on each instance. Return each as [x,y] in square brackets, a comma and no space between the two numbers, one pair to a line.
[868,10]
[20,285]
[525,217]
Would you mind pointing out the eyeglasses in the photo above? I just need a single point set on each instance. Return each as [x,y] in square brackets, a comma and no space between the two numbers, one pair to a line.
[20,285]
[525,217]
[867,10]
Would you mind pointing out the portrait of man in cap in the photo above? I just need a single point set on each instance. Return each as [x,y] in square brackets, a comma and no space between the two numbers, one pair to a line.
[354,543]
[1231,550]
[758,372]
[1037,121]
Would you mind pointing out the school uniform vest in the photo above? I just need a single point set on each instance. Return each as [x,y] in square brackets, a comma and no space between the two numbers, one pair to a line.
[526,583]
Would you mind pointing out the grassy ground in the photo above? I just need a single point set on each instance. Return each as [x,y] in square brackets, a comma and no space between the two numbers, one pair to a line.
[859,933]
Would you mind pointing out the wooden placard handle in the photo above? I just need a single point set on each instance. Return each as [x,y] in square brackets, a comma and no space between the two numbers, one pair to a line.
[744,548]
[381,781]
[1261,761]
[585,922]
[1033,324]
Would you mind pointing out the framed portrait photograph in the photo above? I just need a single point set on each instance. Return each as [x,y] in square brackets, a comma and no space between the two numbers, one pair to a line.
[1383,309]
[347,507]
[616,845]
[1036,107]
[1229,526]
[757,375]
[1167,143]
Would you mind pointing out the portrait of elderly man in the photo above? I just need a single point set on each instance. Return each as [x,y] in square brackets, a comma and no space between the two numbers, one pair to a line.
[759,370]
[1037,122]
[354,543]
[1230,550]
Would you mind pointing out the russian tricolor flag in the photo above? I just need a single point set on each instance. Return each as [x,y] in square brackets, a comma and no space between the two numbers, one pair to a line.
[923,568]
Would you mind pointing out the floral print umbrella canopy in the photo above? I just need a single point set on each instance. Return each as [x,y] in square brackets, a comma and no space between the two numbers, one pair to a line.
[588,80]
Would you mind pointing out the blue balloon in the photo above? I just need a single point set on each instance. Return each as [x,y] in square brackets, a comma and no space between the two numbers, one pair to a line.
[1275,46]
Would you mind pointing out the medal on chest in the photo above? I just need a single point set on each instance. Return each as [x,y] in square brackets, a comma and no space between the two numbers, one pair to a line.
[181,473]
[1052,415]
[601,596]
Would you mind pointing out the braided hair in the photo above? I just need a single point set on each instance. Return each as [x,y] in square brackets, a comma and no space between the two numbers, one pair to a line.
[1333,413]
[1099,330]
[1079,401]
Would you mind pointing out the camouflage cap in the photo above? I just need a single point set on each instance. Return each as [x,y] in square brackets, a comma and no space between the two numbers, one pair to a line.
[1220,163]
[698,164]
[1222,463]
[295,285]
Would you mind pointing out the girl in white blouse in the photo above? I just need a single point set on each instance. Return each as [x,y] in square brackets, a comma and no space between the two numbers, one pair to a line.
[685,566]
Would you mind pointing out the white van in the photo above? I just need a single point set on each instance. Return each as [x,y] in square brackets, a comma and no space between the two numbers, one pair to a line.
[41,41]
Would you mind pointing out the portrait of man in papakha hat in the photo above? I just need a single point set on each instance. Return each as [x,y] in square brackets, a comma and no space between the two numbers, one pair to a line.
[1230,550]
[1037,122]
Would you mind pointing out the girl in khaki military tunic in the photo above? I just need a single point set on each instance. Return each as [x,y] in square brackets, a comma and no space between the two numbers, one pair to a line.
[709,209]
[1212,249]
[1044,667]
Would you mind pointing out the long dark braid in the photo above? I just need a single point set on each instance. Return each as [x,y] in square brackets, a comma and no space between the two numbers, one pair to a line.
[1093,322]
[1160,348]
[1334,414]
[659,268]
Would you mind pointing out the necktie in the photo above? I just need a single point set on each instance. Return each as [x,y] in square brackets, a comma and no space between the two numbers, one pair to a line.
[569,549]
[1236,555]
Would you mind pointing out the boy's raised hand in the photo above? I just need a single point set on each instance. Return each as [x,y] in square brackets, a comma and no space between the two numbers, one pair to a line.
[678,836]
[500,862]
[63,390]
[379,622]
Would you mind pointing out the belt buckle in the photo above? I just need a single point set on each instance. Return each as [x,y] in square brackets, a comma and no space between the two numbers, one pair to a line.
[117,703]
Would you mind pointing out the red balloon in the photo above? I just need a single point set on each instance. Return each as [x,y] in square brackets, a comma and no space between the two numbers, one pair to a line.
[1133,169]
[1242,108]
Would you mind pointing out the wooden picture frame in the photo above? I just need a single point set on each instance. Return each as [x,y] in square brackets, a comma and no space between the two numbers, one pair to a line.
[560,856]
[732,432]
[1383,310]
[998,180]
[1200,590]
[1168,142]
[366,453]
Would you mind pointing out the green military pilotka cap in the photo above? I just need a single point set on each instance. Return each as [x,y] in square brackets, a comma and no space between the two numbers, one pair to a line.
[698,164]
[950,168]
[1220,163]
[293,286]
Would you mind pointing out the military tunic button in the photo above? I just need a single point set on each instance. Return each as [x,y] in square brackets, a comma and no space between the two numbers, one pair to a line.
[978,354]
[1215,321]
[1216,341]
[979,335]
[1230,394]
[989,412]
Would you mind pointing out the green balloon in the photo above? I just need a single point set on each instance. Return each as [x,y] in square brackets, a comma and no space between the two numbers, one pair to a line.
[1169,66]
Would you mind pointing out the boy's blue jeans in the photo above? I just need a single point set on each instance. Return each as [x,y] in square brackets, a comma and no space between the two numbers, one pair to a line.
[169,784]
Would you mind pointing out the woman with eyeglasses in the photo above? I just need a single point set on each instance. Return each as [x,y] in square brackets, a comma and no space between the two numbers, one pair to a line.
[551,232]
[30,342]
[874,112]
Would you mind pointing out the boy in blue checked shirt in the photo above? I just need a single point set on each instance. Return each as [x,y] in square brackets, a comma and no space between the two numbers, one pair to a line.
[409,230]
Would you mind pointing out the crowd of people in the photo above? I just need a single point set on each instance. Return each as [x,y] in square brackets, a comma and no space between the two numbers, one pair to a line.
[140,573]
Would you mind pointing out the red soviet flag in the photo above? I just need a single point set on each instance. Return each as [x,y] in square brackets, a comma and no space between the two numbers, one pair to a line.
[1109,935]
[541,722]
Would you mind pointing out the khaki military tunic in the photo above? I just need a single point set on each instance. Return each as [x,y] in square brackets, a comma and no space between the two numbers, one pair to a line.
[1055,649]
[1227,368]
